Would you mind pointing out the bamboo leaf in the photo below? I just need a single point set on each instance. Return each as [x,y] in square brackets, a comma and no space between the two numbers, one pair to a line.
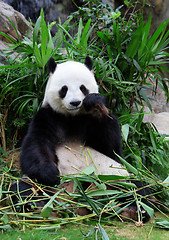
[166,181]
[84,35]
[126,184]
[103,193]
[103,233]
[89,170]
[154,41]
[125,131]
[134,44]
[6,227]
[137,65]
[13,25]
[0,192]
[145,34]
[161,223]
[47,209]
[91,232]
[49,50]
[79,33]
[36,30]
[148,209]
[44,39]
[67,33]
[90,202]
[111,177]
[145,98]
[48,227]
[10,39]
[128,166]
[4,219]
[37,55]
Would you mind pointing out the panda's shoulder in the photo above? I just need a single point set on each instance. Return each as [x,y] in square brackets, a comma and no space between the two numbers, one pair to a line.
[45,117]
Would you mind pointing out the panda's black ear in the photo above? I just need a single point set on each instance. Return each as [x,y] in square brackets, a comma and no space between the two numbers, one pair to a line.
[51,65]
[89,63]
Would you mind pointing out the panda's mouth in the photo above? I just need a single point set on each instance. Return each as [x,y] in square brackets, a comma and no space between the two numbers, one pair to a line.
[73,109]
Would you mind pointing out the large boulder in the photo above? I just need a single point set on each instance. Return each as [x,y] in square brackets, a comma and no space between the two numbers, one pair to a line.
[22,25]
[53,9]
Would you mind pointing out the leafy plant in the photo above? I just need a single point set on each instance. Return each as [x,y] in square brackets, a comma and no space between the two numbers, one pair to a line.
[79,43]
[136,57]
[23,80]
[127,60]
[132,59]
[144,146]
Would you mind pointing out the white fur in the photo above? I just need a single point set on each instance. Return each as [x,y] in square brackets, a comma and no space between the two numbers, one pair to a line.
[75,158]
[73,75]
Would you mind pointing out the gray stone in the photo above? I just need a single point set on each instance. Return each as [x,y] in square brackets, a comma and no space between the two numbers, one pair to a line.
[21,24]
[160,120]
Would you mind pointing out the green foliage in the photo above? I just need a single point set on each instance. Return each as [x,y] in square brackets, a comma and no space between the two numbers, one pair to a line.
[135,58]
[101,203]
[128,52]
[79,42]
[23,80]
[144,146]
[128,59]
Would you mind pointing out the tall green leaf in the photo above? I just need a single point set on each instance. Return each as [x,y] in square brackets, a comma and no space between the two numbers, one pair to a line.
[134,43]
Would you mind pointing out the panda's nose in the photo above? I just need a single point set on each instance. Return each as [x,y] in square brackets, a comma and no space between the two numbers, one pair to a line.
[75,103]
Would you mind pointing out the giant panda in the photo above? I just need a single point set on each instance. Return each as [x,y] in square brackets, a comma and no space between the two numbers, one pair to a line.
[73,129]
[73,117]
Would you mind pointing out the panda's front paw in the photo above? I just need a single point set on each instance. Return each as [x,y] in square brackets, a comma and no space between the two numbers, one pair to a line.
[130,214]
[95,105]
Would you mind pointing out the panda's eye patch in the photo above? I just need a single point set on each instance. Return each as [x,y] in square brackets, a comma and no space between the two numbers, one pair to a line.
[63,91]
[84,90]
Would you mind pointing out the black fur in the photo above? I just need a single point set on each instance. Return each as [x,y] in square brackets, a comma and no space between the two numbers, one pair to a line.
[49,129]
[89,63]
[63,91]
[84,90]
[145,193]
[51,65]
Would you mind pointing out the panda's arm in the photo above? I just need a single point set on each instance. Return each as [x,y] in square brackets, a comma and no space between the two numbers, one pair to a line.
[103,131]
[38,159]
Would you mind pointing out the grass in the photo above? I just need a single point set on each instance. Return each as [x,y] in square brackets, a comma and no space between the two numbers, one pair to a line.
[115,230]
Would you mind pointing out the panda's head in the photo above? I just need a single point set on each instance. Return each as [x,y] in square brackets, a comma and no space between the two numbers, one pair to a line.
[68,84]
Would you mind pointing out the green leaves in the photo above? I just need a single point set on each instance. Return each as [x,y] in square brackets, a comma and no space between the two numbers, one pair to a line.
[129,167]
[148,209]
[47,209]
[103,233]
[79,43]
[43,50]
[135,55]
[96,230]
[125,131]
[161,223]
[134,44]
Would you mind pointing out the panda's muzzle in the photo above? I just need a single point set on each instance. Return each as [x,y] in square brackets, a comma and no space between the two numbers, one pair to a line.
[75,103]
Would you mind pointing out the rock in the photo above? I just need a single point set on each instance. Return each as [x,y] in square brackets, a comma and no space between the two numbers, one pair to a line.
[53,9]
[21,24]
[157,99]
[160,120]
[159,10]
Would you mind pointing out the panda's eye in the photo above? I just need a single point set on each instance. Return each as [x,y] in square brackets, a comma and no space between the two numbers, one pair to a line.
[84,90]
[63,91]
